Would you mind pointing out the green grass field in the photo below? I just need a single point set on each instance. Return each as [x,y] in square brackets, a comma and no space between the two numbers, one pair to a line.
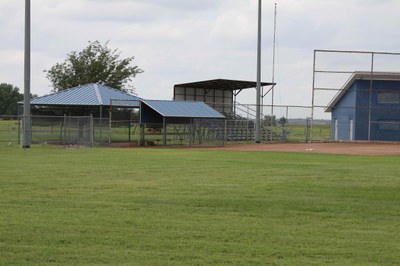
[105,206]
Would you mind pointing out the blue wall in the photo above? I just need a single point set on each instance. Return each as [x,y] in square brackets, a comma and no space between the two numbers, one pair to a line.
[343,112]
[354,105]
[362,109]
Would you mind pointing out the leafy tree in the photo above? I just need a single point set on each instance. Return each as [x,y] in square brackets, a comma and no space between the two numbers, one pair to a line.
[9,98]
[95,64]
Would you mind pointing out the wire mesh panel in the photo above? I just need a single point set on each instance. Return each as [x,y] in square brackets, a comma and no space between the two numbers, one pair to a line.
[78,131]
[198,132]
[208,132]
[279,123]
[9,130]
[47,129]
[63,130]
[123,124]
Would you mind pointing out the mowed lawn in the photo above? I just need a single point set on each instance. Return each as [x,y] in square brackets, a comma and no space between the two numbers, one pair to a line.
[110,206]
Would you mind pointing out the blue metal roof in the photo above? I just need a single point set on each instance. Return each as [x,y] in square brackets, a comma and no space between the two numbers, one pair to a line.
[91,94]
[183,109]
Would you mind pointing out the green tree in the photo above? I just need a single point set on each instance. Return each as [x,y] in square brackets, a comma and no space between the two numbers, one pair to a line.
[95,64]
[9,98]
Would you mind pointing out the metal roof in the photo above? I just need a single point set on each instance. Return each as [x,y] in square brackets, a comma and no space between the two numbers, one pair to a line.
[223,84]
[91,94]
[361,75]
[186,109]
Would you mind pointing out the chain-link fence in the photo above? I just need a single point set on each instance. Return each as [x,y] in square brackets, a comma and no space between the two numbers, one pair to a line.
[279,124]
[199,132]
[69,130]
[61,130]
[9,130]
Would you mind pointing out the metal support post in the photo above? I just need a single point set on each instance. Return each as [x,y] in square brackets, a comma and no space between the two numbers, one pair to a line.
[258,93]
[91,131]
[26,120]
[312,100]
[164,132]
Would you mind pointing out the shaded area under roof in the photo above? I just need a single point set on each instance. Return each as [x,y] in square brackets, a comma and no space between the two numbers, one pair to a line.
[153,111]
[223,84]
[361,75]
[91,94]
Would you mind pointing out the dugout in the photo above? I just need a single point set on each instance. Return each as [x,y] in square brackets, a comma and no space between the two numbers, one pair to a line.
[101,103]
[180,123]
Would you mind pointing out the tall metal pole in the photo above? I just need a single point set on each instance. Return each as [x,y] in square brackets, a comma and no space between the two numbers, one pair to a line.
[258,107]
[26,130]
[273,65]
[312,99]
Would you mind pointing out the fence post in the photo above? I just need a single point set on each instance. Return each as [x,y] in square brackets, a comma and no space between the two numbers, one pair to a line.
[129,125]
[19,129]
[225,123]
[65,130]
[91,132]
[308,129]
[109,125]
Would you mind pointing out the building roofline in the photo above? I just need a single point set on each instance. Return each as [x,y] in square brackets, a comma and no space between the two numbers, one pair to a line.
[204,111]
[360,75]
[74,97]
[223,84]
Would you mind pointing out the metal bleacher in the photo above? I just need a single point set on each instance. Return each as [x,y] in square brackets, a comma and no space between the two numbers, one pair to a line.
[239,128]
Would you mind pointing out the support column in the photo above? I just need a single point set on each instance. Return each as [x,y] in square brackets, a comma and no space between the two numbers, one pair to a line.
[258,96]
[26,120]
[164,132]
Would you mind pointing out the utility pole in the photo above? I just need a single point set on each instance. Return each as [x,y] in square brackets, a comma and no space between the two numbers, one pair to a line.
[26,120]
[258,88]
[273,65]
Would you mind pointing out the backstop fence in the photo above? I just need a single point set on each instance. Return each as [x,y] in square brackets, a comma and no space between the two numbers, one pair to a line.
[359,92]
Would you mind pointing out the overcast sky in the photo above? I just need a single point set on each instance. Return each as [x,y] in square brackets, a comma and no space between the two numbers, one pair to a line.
[177,41]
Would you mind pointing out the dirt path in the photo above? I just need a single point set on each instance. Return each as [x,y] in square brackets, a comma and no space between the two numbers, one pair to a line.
[334,148]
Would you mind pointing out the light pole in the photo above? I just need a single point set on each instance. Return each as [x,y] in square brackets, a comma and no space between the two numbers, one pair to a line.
[26,120]
[273,66]
[258,88]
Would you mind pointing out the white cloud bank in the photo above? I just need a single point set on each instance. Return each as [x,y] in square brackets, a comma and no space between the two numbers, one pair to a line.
[177,41]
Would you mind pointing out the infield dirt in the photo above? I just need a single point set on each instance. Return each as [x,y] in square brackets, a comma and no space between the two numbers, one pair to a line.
[355,148]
